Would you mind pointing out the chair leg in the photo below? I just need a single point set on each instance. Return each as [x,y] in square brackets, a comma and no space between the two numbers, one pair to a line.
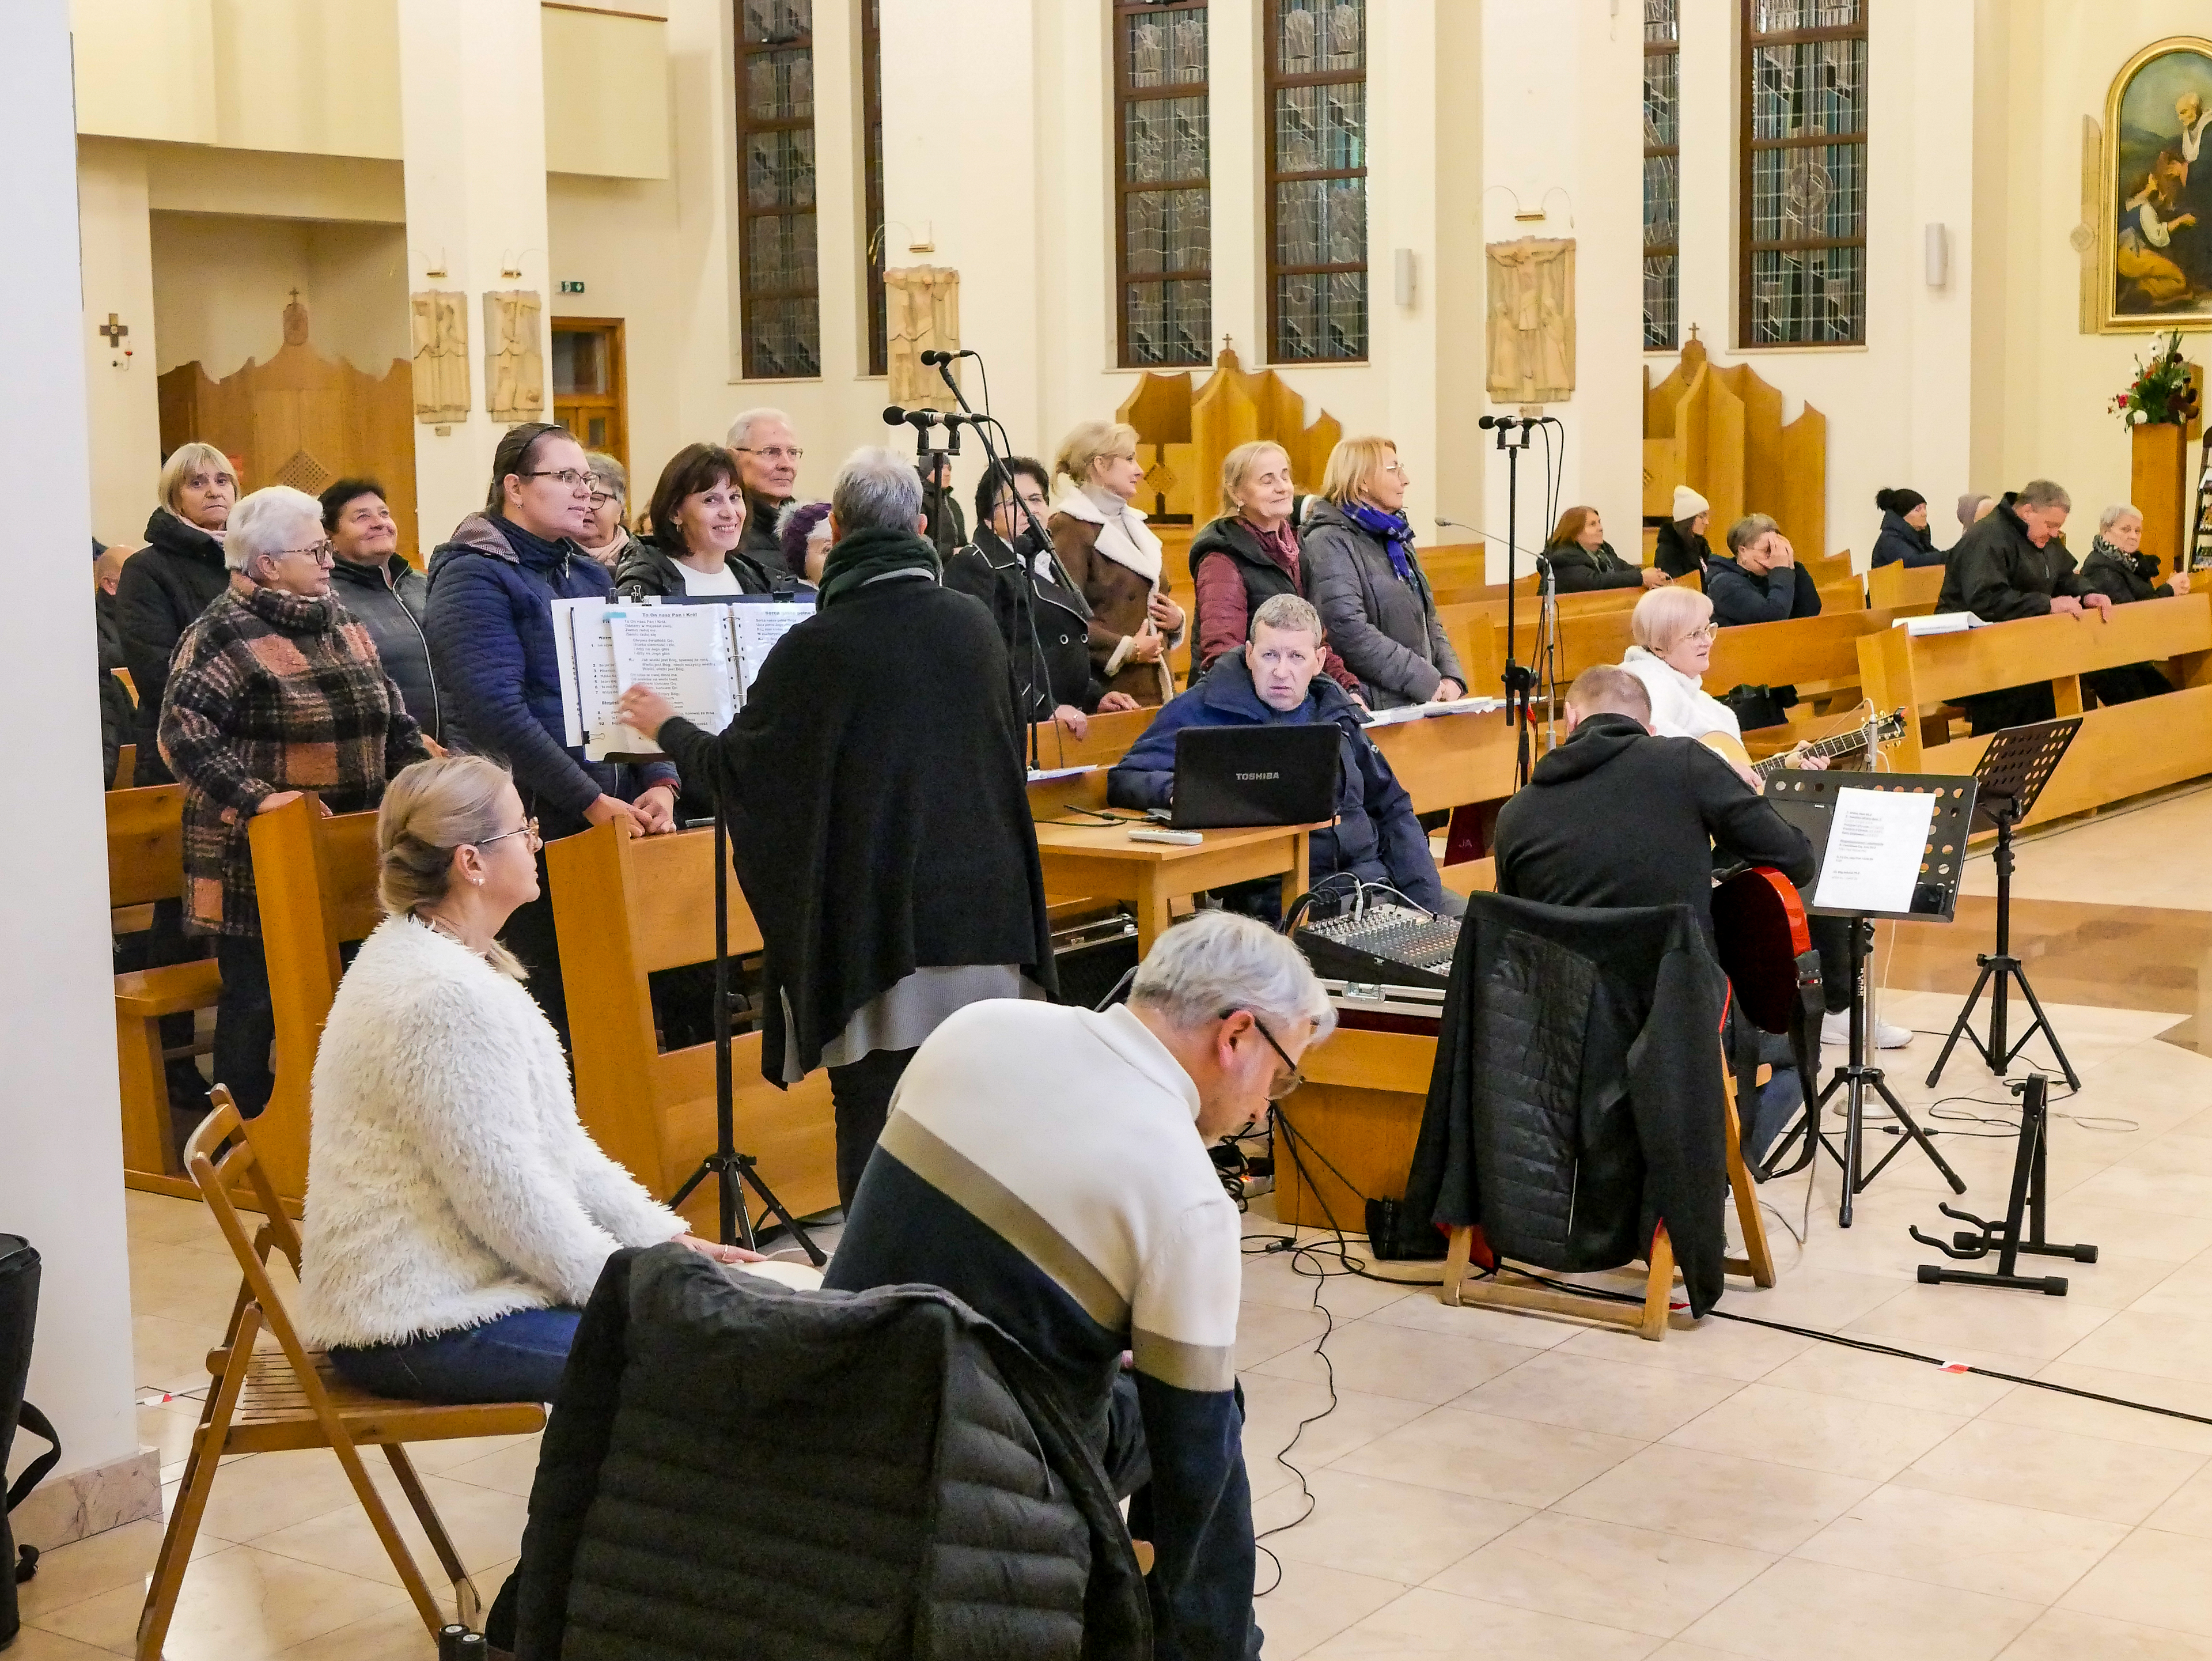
[379,1518]
[208,1441]
[1757,1259]
[1658,1287]
[469,1607]
[1458,1259]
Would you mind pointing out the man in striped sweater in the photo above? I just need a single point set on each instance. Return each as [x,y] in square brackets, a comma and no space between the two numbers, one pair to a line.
[1048,1166]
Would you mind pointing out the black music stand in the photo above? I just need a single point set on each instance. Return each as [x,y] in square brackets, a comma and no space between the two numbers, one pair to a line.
[1809,800]
[2029,1185]
[2014,770]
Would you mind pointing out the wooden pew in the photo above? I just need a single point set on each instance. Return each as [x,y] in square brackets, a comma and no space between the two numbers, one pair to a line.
[126,765]
[146,863]
[623,910]
[2120,752]
[1898,584]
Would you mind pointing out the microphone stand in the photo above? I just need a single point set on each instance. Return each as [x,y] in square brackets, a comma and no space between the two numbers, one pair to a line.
[1520,681]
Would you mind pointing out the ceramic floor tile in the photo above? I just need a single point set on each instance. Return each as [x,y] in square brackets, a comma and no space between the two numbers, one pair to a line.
[1508,1459]
[1391,1360]
[1524,1330]
[2152,1578]
[170,1355]
[33,1644]
[1436,1623]
[2053,1470]
[156,1217]
[1869,1376]
[2188,1510]
[1584,1392]
[1933,1319]
[2186,1291]
[2111,1421]
[2072,1635]
[495,1462]
[102,1562]
[2174,1193]
[1313,1602]
[264,1491]
[394,1635]
[1287,1281]
[1726,1349]
[1274,1407]
[1391,1530]
[1264,1331]
[1603,1573]
[2124,1228]
[2165,1344]
[237,1605]
[1831,1434]
[1805,1611]
[485,1526]
[1714,1496]
[1948,1540]
[1805,1296]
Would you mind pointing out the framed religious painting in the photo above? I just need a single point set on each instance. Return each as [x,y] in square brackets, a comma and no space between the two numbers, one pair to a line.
[2154,268]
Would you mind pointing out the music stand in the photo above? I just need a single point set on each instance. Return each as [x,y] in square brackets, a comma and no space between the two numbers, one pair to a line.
[1809,800]
[2013,771]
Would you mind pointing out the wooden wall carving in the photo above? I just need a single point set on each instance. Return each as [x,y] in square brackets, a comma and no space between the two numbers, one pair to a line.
[922,313]
[304,420]
[1183,434]
[1719,432]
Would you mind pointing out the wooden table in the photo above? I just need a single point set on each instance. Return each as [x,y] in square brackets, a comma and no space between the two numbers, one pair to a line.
[1359,1110]
[1101,862]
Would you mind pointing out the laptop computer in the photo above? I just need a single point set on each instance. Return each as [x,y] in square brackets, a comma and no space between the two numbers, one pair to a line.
[1255,776]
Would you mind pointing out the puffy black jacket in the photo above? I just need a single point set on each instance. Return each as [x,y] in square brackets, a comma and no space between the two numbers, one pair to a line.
[1577,1100]
[1996,572]
[733,1469]
[1580,570]
[2126,577]
[1058,647]
[1739,596]
[389,598]
[647,568]
[164,586]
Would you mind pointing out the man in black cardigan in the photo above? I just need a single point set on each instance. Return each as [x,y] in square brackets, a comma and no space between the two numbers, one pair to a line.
[879,815]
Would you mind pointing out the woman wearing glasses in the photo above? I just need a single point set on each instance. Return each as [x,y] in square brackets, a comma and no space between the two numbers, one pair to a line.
[275,690]
[462,1213]
[490,622]
[1371,594]
[1673,629]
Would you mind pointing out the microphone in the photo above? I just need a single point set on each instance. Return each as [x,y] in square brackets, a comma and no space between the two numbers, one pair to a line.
[1443,523]
[931,359]
[921,420]
[1507,422]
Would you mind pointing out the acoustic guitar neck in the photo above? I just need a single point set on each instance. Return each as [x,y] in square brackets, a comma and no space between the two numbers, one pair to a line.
[1888,729]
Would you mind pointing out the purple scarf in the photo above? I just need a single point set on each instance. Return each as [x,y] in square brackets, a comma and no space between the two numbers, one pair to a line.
[1396,532]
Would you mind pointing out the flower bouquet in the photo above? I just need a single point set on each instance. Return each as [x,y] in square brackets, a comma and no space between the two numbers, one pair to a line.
[2161,391]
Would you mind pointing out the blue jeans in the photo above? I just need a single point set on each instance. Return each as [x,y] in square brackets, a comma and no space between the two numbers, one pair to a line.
[516,1358]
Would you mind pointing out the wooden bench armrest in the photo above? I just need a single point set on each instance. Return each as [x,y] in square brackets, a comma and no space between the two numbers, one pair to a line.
[169,990]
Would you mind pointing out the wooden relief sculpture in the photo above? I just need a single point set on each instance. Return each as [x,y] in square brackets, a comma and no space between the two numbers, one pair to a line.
[441,357]
[1532,320]
[922,306]
[515,359]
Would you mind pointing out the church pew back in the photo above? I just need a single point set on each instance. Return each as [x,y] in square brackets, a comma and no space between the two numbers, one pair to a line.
[145,844]
[1898,584]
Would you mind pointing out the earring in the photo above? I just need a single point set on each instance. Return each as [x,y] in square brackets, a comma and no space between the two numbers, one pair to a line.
[478,881]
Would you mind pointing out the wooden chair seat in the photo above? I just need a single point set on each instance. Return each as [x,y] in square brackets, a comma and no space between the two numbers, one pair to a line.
[149,994]
[274,1415]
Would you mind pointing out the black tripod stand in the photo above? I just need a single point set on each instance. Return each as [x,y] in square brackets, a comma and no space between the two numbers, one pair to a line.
[1520,679]
[733,1172]
[2012,775]
[2029,1183]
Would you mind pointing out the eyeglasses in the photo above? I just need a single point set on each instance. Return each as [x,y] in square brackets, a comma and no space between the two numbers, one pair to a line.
[322,553]
[527,828]
[569,478]
[774,452]
[1710,632]
[1280,1087]
[600,498]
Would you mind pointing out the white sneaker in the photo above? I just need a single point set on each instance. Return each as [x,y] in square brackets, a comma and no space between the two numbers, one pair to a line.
[1835,1029]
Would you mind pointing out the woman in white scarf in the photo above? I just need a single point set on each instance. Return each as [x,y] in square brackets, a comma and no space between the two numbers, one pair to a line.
[1113,557]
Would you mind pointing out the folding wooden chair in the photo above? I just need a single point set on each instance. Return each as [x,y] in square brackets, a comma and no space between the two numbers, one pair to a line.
[271,1399]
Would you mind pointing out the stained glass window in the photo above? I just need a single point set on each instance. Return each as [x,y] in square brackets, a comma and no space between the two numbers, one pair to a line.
[1804,194]
[779,273]
[1163,199]
[1316,74]
[1663,186]
[871,181]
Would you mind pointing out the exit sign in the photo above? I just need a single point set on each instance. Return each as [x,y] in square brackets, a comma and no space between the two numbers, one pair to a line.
[571,287]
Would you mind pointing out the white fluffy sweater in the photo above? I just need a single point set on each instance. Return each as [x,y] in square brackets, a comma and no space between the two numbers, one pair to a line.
[449,1181]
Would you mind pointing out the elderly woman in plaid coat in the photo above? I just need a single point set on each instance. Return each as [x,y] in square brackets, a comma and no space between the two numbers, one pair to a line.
[274,691]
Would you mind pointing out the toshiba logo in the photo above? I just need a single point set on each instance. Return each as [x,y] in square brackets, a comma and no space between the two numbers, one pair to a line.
[1254,778]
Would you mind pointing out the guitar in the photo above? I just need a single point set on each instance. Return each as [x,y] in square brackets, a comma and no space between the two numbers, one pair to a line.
[1887,730]
[1761,936]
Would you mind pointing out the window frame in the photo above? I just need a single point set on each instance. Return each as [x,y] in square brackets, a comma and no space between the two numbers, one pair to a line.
[1125,280]
[1749,148]
[1273,81]
[874,252]
[1671,251]
[746,125]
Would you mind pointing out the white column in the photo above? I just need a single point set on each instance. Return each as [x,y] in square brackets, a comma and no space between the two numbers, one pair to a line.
[61,1183]
[472,120]
[116,239]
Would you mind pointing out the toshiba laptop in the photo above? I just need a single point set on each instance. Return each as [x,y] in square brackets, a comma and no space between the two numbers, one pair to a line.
[1255,776]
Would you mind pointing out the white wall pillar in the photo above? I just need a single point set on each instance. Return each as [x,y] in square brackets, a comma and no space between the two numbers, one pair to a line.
[123,400]
[61,1183]
[473,115]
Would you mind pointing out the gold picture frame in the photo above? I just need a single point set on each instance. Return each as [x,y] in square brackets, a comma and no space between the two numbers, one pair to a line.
[2145,285]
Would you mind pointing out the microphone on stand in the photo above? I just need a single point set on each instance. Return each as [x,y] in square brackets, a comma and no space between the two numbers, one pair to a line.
[931,358]
[919,420]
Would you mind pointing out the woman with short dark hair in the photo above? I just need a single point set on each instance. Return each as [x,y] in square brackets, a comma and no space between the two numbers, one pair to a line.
[1904,537]
[693,529]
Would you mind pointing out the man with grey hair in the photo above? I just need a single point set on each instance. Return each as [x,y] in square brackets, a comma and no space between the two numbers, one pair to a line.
[1759,580]
[1277,680]
[879,819]
[768,456]
[1048,1166]
[2012,564]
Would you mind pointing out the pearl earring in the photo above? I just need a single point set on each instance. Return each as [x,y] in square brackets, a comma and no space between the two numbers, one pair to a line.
[478,881]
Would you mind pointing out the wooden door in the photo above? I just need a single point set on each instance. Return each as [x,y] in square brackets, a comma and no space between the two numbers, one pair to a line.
[590,396]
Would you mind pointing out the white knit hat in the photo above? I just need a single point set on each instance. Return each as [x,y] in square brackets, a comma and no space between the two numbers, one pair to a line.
[1688,504]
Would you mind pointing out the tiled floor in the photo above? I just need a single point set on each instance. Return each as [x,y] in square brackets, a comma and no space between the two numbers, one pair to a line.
[1504,1486]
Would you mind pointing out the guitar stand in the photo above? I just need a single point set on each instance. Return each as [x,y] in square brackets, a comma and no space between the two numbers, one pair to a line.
[2004,1239]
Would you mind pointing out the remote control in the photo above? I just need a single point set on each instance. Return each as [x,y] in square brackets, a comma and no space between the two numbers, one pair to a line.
[1180,839]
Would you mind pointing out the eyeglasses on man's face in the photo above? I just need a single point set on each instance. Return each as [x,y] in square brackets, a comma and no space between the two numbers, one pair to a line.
[773,452]
[1284,1083]
[527,828]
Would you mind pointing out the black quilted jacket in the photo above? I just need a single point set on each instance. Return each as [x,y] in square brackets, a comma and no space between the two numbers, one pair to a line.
[736,1470]
[1577,1100]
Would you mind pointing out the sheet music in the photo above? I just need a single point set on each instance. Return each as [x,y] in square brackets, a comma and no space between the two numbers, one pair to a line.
[758,626]
[1877,844]
[685,653]
[564,656]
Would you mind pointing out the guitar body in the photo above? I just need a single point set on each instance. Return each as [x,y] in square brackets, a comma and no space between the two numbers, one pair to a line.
[1765,946]
[1727,746]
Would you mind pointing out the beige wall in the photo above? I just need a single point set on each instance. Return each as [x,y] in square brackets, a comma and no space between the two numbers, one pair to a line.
[221,282]
[122,401]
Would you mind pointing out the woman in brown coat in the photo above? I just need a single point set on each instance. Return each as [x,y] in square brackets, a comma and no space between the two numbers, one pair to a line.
[1113,557]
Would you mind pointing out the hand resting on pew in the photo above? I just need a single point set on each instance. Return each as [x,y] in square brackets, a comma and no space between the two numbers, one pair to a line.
[278,798]
[2066,605]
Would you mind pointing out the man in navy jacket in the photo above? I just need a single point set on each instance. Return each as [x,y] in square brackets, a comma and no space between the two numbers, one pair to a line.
[1276,679]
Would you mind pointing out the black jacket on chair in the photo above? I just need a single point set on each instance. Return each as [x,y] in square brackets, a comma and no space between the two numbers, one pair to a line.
[735,1469]
[1577,1101]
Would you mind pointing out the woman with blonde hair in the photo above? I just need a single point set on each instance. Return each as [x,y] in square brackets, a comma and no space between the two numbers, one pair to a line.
[1112,556]
[1249,555]
[1371,594]
[1673,629]
[462,1212]
[172,580]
